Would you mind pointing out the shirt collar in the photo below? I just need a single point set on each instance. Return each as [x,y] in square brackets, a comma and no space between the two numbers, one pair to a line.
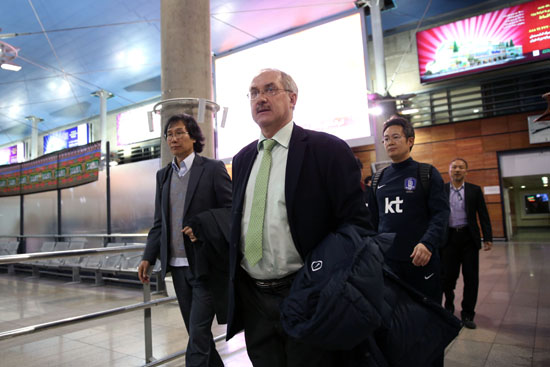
[188,161]
[459,189]
[282,137]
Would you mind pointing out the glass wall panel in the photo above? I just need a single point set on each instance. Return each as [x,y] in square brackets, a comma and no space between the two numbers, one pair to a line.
[10,215]
[40,217]
[84,208]
[133,196]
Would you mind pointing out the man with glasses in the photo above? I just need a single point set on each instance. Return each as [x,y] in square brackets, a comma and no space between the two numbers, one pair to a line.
[188,186]
[416,211]
[464,241]
[292,187]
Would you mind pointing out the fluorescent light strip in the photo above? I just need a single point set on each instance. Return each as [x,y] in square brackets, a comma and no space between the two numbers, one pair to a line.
[10,67]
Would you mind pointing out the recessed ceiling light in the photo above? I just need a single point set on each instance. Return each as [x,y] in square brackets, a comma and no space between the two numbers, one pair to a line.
[64,88]
[14,110]
[10,66]
[522,186]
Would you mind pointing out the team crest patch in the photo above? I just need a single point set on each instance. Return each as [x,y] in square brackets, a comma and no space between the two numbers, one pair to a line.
[410,184]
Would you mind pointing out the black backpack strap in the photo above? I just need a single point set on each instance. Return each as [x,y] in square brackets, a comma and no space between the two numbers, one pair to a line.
[376,179]
[425,174]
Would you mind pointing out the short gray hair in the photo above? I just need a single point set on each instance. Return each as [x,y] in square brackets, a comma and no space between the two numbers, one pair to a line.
[286,80]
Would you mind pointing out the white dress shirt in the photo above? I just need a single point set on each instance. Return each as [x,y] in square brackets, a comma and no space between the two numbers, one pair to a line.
[279,254]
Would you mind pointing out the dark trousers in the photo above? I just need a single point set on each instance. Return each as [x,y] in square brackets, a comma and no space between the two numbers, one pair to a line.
[425,279]
[266,342]
[197,308]
[461,250]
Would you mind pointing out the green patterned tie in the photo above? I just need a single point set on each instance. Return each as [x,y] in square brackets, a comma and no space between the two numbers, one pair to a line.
[254,236]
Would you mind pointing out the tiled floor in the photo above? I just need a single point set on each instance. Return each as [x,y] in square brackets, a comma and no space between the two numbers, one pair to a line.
[513,318]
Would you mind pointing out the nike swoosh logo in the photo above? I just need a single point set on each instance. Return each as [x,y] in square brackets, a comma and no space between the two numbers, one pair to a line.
[380,186]
[428,276]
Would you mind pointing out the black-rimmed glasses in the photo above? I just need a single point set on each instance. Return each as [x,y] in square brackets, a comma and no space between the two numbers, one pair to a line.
[268,91]
[177,135]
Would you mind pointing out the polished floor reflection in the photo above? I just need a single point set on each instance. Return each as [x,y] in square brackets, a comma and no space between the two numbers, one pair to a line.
[513,318]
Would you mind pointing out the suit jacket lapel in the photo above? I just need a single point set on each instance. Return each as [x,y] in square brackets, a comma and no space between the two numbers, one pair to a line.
[196,171]
[166,193]
[467,197]
[296,152]
[247,161]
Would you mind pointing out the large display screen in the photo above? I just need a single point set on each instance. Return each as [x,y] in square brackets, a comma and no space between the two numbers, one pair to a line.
[13,154]
[328,65]
[133,126]
[498,39]
[69,138]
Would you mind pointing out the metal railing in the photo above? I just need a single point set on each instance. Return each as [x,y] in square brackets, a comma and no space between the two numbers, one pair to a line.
[146,305]
[20,258]
[92,235]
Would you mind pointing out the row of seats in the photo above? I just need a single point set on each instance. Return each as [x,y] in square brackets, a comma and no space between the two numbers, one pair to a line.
[112,266]
[125,261]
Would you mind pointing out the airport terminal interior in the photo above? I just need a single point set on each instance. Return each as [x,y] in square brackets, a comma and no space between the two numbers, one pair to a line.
[86,87]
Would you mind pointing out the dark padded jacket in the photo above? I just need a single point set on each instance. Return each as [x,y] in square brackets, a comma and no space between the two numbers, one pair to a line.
[344,298]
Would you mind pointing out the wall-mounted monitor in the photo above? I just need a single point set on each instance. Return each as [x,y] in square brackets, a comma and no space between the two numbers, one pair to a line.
[536,203]
[502,38]
[68,138]
[132,126]
[327,63]
[12,154]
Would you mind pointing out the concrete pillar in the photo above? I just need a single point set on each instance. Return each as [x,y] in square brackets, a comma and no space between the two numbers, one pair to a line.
[387,106]
[186,64]
[388,109]
[378,46]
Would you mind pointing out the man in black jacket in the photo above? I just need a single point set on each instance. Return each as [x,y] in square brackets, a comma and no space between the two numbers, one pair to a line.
[416,211]
[291,188]
[411,203]
[464,242]
[188,187]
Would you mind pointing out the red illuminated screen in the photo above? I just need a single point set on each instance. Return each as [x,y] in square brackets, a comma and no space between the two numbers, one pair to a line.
[502,38]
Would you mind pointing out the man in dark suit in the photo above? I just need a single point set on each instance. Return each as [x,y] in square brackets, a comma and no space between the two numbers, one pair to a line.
[292,187]
[190,185]
[464,241]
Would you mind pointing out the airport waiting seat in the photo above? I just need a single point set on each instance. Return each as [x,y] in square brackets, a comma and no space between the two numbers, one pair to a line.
[47,246]
[103,263]
[131,260]
[95,261]
[112,262]
[9,248]
[59,246]
[74,261]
